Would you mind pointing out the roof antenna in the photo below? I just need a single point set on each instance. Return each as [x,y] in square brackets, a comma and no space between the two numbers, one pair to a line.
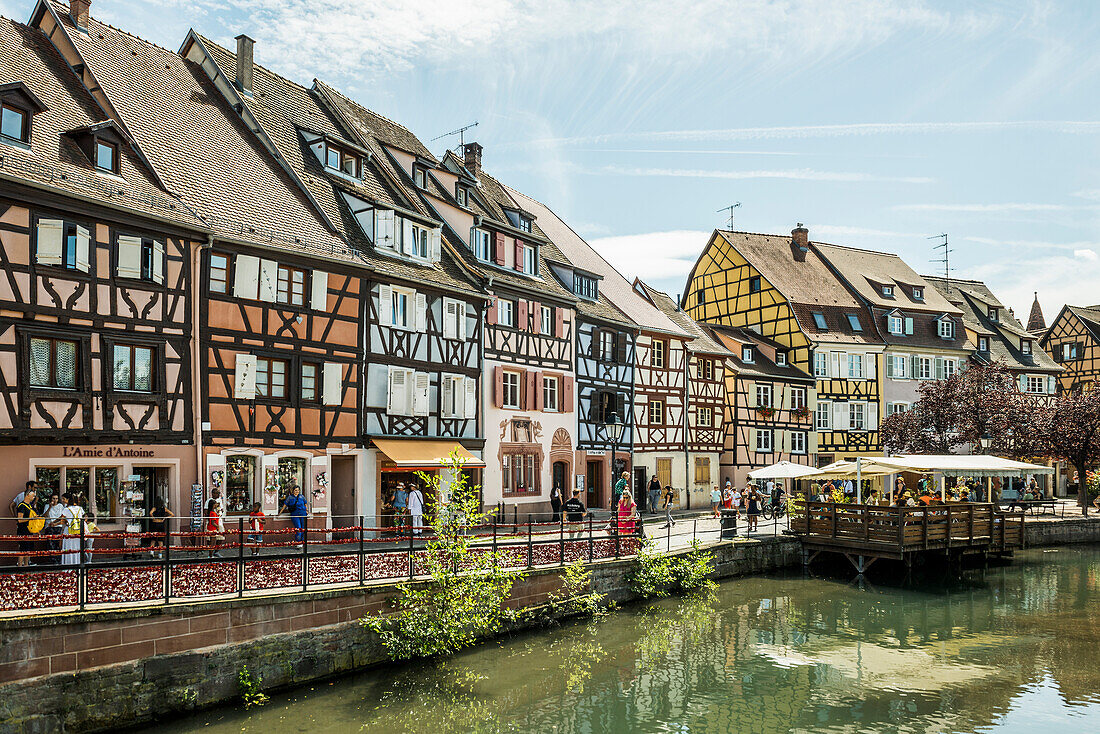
[730,209]
[946,259]
[460,132]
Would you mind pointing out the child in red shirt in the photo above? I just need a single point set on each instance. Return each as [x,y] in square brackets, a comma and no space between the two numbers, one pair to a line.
[256,525]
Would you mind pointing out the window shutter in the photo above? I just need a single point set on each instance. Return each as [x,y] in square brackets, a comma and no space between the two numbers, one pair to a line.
[870,366]
[83,249]
[471,398]
[717,417]
[559,323]
[752,439]
[448,386]
[318,299]
[434,244]
[536,317]
[567,394]
[421,301]
[781,396]
[498,386]
[158,261]
[499,244]
[914,367]
[378,387]
[811,442]
[384,226]
[406,236]
[872,416]
[332,385]
[620,347]
[781,440]
[890,366]
[398,399]
[526,396]
[461,310]
[518,249]
[939,368]
[491,313]
[837,360]
[421,393]
[909,325]
[244,377]
[129,257]
[1023,383]
[750,390]
[385,305]
[620,406]
[269,276]
[1052,386]
[50,234]
[537,389]
[811,400]
[246,276]
[450,320]
[521,315]
[841,416]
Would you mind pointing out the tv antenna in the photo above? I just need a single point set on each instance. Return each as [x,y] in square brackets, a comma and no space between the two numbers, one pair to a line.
[460,132]
[730,209]
[946,259]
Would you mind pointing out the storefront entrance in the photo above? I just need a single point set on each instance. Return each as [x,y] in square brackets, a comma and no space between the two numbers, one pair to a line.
[593,482]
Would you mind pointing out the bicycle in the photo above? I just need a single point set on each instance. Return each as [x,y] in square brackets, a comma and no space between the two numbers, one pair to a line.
[775,511]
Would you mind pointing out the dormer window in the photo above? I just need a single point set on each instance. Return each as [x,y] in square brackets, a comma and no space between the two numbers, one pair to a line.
[106,156]
[983,344]
[947,329]
[887,291]
[853,321]
[781,359]
[819,321]
[918,294]
[343,161]
[528,259]
[1025,346]
[461,195]
[993,315]
[585,286]
[418,176]
[895,325]
[481,242]
[524,223]
[15,124]
[747,355]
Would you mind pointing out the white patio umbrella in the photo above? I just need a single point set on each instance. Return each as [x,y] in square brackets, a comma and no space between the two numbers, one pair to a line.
[784,470]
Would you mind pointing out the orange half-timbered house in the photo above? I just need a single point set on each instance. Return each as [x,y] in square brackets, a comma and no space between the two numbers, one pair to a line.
[95,305]
[1073,341]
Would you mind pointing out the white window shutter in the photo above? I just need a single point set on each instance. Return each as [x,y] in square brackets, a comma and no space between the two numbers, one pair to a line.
[717,418]
[398,402]
[83,249]
[890,366]
[838,361]
[450,318]
[421,312]
[129,256]
[909,325]
[318,299]
[378,386]
[841,416]
[269,276]
[752,439]
[244,378]
[246,278]
[158,261]
[750,391]
[406,236]
[434,244]
[870,366]
[462,321]
[385,305]
[448,385]
[384,229]
[421,388]
[784,439]
[471,398]
[50,234]
[1023,383]
[811,442]
[939,368]
[333,384]
[872,416]
[811,399]
[1052,387]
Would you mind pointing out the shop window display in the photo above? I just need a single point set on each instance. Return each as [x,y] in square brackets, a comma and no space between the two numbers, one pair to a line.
[292,473]
[240,476]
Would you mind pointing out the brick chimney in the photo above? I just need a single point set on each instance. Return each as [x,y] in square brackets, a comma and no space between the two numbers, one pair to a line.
[244,63]
[80,11]
[471,153]
[800,243]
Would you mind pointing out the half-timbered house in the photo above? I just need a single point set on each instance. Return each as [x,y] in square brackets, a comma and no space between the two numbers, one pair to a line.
[770,405]
[705,402]
[1073,342]
[782,288]
[995,335]
[412,311]
[604,352]
[95,304]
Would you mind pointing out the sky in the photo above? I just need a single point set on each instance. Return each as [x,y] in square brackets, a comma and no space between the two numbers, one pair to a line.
[877,123]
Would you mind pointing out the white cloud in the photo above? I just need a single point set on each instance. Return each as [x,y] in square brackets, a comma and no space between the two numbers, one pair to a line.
[661,257]
[1090,194]
[1058,279]
[983,208]
[800,174]
[1086,254]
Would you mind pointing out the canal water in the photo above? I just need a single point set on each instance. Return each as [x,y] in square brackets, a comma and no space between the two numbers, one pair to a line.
[1006,649]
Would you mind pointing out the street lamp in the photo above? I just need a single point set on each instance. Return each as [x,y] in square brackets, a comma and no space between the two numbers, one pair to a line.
[613,431]
[986,441]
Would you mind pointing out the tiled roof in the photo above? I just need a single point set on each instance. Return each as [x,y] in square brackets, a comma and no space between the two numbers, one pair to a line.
[1089,316]
[926,329]
[1035,321]
[199,144]
[284,108]
[838,327]
[866,271]
[733,339]
[53,159]
[702,343]
[975,299]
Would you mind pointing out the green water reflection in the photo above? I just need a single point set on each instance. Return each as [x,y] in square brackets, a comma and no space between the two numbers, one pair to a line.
[1012,649]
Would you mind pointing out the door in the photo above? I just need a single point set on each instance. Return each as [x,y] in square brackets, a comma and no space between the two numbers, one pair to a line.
[593,482]
[641,496]
[664,472]
[558,478]
[341,491]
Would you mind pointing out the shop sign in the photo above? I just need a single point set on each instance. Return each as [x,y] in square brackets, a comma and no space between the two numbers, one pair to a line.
[112,452]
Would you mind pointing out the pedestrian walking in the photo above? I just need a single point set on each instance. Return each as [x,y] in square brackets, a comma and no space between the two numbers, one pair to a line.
[295,505]
[575,512]
[158,523]
[555,502]
[256,527]
[668,498]
[752,506]
[715,501]
[27,525]
[618,489]
[416,509]
[654,494]
[400,505]
[214,532]
[627,515]
[55,527]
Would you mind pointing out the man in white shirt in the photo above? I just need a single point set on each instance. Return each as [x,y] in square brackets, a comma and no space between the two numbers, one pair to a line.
[416,509]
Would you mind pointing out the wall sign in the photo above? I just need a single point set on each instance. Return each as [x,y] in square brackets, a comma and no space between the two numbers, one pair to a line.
[112,452]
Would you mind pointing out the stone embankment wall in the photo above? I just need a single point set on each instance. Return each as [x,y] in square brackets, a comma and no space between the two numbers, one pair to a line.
[95,671]
[1039,533]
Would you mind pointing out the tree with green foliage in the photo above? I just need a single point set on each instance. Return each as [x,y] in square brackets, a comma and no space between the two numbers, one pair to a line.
[462,600]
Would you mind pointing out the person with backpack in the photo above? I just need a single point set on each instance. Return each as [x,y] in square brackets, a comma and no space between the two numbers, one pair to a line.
[27,525]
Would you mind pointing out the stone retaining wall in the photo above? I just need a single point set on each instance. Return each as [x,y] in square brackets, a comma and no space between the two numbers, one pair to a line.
[57,672]
[1038,533]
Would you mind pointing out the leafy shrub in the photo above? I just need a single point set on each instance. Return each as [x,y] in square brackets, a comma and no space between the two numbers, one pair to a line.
[692,571]
[251,692]
[652,575]
[574,598]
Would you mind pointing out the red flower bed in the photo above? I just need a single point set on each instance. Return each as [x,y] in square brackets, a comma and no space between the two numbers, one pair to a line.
[202,579]
[38,590]
[114,585]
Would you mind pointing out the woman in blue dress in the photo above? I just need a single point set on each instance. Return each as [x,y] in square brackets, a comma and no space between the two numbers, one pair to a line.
[295,504]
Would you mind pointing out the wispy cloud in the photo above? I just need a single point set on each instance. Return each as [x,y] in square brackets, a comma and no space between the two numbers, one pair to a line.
[985,208]
[1086,254]
[1077,247]
[661,257]
[799,174]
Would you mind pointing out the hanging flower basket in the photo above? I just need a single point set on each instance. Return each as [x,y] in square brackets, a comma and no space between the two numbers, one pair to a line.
[802,413]
[765,413]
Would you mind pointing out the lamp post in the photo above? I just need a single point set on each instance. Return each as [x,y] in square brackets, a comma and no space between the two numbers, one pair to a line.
[613,431]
